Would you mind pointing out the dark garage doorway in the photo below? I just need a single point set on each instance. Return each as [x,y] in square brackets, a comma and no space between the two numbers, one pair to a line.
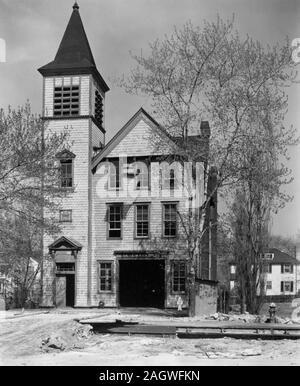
[142,283]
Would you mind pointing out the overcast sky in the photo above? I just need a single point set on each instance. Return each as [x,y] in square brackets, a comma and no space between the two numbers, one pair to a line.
[33,30]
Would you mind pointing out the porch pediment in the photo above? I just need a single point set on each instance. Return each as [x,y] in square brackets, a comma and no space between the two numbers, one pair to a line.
[65,154]
[65,244]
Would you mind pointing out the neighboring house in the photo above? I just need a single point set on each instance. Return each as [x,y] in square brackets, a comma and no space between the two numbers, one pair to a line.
[122,241]
[282,274]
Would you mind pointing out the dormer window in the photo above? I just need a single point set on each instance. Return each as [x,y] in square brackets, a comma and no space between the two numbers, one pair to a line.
[98,108]
[66,101]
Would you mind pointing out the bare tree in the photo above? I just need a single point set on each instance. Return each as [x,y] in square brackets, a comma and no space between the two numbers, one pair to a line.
[212,73]
[29,184]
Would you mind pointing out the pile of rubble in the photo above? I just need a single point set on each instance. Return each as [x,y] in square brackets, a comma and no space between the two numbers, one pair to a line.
[67,340]
[246,318]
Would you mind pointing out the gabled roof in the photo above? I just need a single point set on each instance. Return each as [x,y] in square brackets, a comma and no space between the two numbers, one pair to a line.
[65,243]
[141,114]
[282,257]
[74,55]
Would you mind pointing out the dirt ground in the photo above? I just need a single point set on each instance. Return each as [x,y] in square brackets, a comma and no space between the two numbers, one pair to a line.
[21,337]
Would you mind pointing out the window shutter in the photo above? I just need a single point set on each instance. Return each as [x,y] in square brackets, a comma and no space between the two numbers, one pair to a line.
[292,268]
[292,286]
[282,286]
[282,268]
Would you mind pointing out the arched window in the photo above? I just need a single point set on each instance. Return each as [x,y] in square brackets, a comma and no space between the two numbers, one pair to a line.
[141,171]
[114,181]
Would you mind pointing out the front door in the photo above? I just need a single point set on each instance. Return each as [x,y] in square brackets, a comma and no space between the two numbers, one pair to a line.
[61,286]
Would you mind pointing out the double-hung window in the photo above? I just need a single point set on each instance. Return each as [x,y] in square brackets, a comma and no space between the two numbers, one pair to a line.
[142,220]
[287,286]
[170,220]
[115,221]
[105,276]
[66,173]
[178,276]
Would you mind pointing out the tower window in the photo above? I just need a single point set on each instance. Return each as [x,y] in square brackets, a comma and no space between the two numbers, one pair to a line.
[65,215]
[66,101]
[98,108]
[66,173]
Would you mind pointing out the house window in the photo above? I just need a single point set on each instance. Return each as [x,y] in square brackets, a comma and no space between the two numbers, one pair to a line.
[115,221]
[232,269]
[286,268]
[66,173]
[168,176]
[105,277]
[169,220]
[269,285]
[141,172]
[142,220]
[269,256]
[114,175]
[98,108]
[178,276]
[65,215]
[287,286]
[66,101]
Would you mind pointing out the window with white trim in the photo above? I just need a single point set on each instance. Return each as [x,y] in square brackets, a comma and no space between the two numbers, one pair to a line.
[142,220]
[105,276]
[169,220]
[65,215]
[66,173]
[141,172]
[178,276]
[114,180]
[287,286]
[115,221]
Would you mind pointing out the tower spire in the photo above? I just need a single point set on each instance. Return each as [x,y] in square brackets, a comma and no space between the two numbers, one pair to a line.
[74,55]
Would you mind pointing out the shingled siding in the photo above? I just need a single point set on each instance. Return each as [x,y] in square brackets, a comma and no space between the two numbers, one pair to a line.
[104,249]
[77,200]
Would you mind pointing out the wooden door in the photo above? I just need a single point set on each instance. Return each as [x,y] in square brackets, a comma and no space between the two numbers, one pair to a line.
[61,286]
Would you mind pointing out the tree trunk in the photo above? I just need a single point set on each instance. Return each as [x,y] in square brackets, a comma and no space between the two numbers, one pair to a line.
[192,294]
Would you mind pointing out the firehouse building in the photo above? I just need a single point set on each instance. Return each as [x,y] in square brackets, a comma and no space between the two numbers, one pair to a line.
[122,243]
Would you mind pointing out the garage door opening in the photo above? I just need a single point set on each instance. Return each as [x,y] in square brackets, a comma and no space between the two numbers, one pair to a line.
[142,283]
